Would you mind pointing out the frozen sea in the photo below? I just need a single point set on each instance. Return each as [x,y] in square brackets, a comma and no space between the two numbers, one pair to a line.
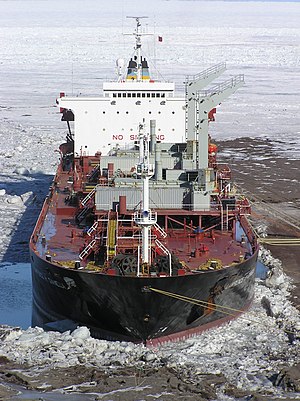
[71,46]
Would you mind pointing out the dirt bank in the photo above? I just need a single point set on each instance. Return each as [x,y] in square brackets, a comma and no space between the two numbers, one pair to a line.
[271,181]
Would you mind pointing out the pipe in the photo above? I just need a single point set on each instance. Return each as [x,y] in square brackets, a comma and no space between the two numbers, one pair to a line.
[158,165]
[122,204]
[152,136]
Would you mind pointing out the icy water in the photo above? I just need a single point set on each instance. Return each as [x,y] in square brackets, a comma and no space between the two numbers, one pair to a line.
[15,294]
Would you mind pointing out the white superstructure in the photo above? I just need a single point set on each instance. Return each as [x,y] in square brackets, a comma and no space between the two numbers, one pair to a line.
[112,120]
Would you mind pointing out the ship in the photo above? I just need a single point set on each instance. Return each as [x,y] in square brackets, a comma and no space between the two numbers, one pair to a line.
[142,236]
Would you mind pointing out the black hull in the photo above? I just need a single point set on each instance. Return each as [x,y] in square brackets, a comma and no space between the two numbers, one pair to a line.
[123,308]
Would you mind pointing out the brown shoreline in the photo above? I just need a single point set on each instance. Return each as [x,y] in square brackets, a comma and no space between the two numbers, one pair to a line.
[271,181]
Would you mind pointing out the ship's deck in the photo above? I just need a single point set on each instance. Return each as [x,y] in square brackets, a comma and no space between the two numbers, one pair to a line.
[59,237]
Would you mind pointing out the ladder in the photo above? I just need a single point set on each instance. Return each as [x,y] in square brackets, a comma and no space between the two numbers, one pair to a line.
[166,252]
[224,218]
[160,230]
[94,173]
[111,237]
[88,197]
[82,213]
[87,250]
[93,228]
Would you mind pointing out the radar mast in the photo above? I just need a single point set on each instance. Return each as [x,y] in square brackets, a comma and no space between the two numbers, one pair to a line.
[138,45]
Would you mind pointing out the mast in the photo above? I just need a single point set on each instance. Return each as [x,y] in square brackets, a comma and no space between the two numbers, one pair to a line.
[138,45]
[145,218]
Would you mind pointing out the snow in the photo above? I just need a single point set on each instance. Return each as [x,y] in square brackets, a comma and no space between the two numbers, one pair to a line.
[247,350]
[48,47]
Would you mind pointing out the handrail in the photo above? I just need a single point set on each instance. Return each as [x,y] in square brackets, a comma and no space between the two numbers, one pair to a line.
[230,83]
[86,250]
[166,252]
[88,197]
[93,228]
[205,73]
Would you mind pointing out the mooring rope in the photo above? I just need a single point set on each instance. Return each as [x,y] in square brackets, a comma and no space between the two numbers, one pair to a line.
[209,305]
[280,241]
[212,306]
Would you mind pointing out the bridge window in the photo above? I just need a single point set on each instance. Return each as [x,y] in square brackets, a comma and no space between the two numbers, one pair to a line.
[114,95]
[152,94]
[134,95]
[143,94]
[119,94]
[158,95]
[124,94]
[148,94]
[138,95]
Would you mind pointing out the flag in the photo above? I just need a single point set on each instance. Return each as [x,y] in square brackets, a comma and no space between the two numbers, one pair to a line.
[160,38]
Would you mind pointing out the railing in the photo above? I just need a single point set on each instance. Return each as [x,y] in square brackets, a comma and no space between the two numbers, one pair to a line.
[166,252]
[131,208]
[88,197]
[206,73]
[159,229]
[145,218]
[45,207]
[87,250]
[230,83]
[82,213]
[93,228]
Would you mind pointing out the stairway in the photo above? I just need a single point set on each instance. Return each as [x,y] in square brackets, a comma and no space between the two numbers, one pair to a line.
[111,237]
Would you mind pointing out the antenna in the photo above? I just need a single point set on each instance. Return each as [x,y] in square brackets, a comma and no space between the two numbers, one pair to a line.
[137,18]
[138,43]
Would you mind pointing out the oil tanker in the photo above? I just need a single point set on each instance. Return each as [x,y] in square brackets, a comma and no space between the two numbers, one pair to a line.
[142,236]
